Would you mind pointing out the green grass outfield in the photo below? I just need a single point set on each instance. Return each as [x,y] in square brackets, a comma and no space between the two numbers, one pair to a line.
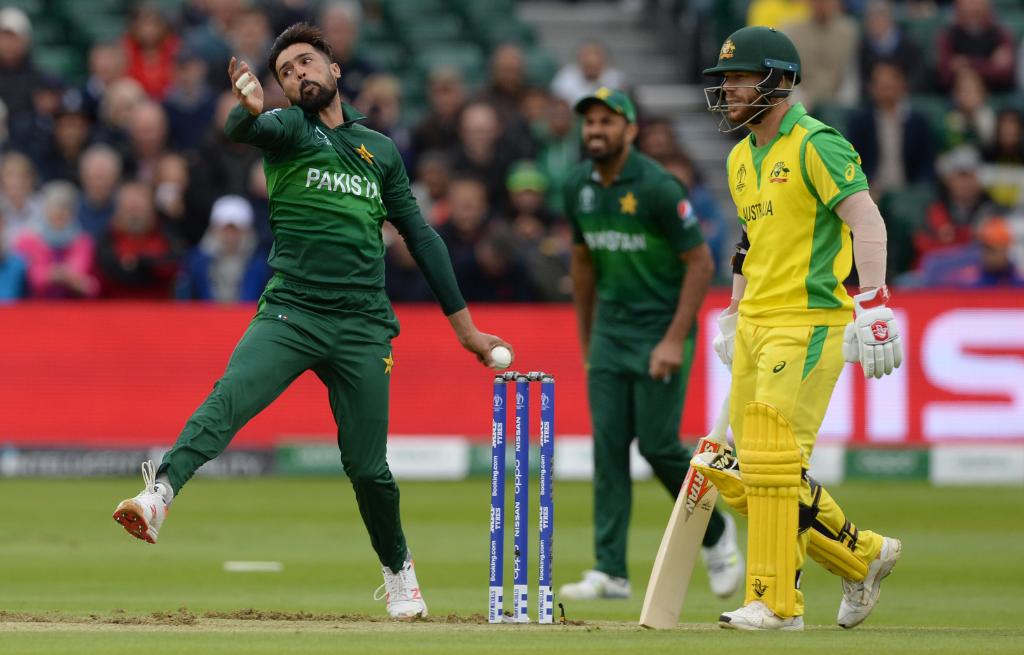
[72,581]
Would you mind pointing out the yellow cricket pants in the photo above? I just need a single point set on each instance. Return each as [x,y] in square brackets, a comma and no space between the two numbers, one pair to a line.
[794,369]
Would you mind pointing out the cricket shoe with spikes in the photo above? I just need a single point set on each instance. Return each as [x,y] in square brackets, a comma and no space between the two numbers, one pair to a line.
[724,561]
[757,616]
[402,592]
[594,585]
[143,515]
[859,597]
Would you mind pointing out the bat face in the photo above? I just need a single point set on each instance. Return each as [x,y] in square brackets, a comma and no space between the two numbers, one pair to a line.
[680,545]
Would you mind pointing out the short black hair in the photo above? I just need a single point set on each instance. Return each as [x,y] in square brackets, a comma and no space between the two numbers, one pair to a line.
[298,33]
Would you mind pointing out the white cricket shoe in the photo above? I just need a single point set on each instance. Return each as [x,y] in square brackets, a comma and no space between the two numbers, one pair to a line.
[594,585]
[724,561]
[757,616]
[143,515]
[859,597]
[402,592]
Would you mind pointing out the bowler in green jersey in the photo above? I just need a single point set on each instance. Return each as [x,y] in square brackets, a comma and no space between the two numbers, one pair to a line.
[331,184]
[640,270]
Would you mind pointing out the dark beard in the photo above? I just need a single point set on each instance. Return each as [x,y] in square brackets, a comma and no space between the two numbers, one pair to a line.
[608,156]
[316,102]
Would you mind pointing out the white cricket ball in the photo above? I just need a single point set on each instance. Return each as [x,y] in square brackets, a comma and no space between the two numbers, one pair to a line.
[501,357]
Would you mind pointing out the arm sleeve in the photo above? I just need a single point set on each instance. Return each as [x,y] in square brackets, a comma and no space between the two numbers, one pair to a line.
[674,214]
[869,237]
[266,131]
[742,246]
[423,241]
[832,168]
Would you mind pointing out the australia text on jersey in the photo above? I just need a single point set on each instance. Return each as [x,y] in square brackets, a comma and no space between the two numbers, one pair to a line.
[343,183]
[756,210]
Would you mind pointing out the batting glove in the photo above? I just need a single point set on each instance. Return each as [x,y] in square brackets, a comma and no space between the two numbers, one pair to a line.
[725,341]
[872,338]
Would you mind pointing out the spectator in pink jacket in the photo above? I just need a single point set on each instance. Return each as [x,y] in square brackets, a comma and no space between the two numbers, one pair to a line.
[58,253]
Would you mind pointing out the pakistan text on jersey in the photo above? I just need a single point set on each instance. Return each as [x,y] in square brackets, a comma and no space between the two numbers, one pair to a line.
[614,241]
[757,210]
[342,182]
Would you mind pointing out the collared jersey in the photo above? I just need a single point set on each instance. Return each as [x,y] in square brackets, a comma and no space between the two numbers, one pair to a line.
[635,229]
[800,250]
[330,190]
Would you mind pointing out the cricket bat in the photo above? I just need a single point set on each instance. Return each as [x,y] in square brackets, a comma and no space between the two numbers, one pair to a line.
[670,577]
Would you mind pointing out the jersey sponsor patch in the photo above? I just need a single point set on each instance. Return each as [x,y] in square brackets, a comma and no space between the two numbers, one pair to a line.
[686,214]
[741,178]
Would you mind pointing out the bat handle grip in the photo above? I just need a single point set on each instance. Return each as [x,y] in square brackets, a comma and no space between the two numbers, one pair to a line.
[721,422]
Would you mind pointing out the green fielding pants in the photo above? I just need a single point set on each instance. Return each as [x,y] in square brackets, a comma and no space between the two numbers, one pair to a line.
[343,337]
[626,404]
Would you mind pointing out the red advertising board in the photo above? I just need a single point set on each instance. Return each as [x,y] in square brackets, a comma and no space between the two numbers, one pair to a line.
[77,374]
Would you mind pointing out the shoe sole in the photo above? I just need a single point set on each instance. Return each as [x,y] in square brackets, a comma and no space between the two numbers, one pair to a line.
[749,628]
[883,575]
[130,515]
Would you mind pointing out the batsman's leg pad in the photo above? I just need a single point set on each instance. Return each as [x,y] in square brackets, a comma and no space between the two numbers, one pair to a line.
[770,466]
[724,472]
[835,542]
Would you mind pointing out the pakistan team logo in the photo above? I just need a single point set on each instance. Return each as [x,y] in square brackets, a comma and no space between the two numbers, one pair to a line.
[779,174]
[586,200]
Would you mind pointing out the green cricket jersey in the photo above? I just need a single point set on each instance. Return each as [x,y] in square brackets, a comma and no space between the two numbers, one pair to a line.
[635,229]
[330,191]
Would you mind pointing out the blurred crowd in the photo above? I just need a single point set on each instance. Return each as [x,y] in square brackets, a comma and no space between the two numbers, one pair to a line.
[122,184]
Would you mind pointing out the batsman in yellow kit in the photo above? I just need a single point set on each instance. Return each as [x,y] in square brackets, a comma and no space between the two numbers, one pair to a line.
[804,208]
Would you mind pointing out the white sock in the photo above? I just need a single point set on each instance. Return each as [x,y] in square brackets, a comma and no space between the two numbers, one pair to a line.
[163,487]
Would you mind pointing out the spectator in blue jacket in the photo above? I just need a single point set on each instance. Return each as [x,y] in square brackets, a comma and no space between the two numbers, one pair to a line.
[228,265]
[12,270]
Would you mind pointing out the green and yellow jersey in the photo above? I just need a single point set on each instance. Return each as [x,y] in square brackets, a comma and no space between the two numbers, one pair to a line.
[635,229]
[800,251]
[330,191]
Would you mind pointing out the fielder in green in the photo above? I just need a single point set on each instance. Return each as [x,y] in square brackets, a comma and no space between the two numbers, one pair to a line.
[640,270]
[332,183]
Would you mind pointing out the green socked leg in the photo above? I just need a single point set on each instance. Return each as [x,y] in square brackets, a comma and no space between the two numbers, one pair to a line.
[270,355]
[611,414]
[358,380]
[659,410]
